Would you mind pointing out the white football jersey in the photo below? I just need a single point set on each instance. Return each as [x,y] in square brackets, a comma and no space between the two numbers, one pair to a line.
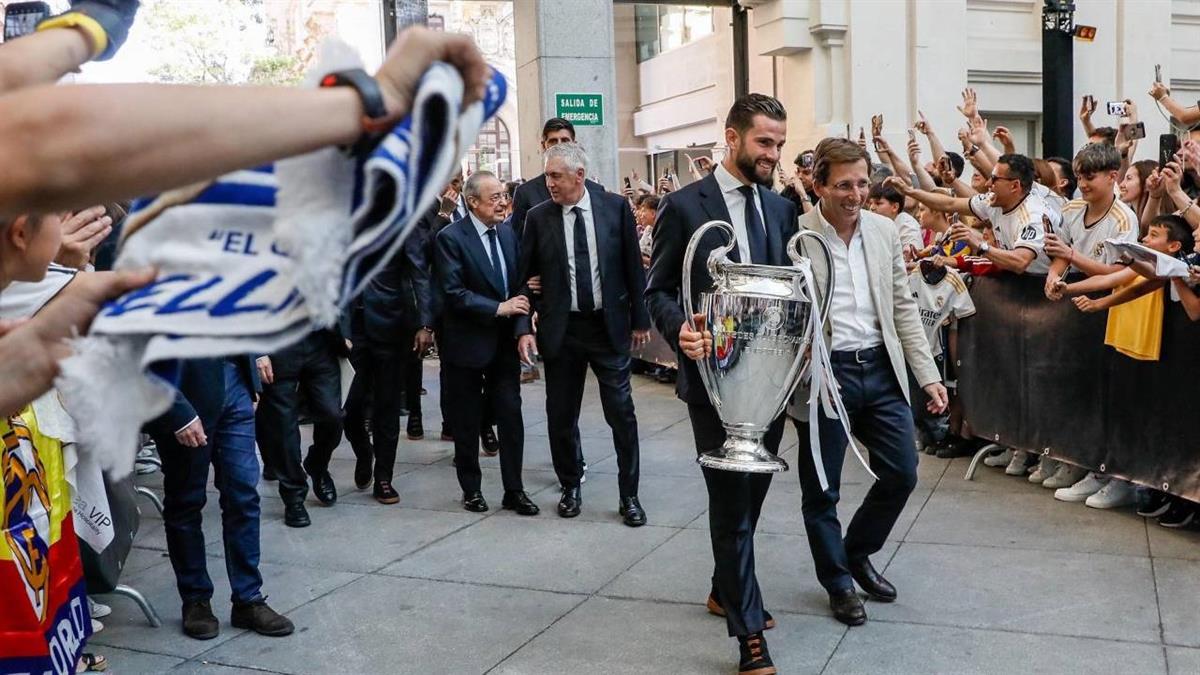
[938,302]
[1119,222]
[1019,227]
[1054,200]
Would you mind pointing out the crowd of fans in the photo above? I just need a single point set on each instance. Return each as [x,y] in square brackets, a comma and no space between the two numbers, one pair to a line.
[1014,214]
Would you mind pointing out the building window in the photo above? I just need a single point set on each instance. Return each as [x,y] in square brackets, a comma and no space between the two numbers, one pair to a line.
[492,150]
[660,28]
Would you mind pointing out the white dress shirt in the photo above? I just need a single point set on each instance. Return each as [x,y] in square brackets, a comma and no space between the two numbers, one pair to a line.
[482,230]
[735,201]
[853,317]
[589,228]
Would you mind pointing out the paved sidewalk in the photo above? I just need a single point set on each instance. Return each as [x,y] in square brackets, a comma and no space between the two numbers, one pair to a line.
[994,576]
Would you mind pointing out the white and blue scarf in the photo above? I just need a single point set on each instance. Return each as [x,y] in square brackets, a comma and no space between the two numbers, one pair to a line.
[255,260]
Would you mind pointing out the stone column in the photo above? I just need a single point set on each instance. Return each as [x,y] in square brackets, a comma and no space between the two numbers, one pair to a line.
[566,47]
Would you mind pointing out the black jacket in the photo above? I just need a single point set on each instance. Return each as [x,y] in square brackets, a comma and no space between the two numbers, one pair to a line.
[622,278]
[399,300]
[679,215]
[531,193]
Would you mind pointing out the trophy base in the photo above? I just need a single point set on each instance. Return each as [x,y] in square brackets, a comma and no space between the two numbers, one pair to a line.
[744,454]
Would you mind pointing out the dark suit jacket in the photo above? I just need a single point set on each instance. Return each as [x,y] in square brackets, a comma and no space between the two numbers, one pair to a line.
[200,392]
[471,333]
[399,300]
[679,215]
[622,278]
[531,193]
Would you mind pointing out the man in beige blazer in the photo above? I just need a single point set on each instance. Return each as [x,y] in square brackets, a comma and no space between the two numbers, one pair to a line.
[874,334]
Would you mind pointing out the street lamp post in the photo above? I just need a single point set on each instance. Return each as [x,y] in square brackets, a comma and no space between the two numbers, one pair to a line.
[1058,74]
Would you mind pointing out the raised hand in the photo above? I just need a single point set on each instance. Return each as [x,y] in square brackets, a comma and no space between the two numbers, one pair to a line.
[970,106]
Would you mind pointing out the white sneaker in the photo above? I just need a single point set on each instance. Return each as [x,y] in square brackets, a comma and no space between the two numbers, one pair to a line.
[1080,491]
[999,459]
[99,610]
[96,626]
[1016,467]
[1066,476]
[1116,494]
[1045,469]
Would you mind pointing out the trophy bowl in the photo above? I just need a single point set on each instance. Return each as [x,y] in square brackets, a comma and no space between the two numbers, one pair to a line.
[761,325]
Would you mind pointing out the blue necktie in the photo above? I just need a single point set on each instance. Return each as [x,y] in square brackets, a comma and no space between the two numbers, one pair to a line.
[755,233]
[497,262]
[583,265]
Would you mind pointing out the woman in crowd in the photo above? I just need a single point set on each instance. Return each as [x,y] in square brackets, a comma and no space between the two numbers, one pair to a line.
[1133,187]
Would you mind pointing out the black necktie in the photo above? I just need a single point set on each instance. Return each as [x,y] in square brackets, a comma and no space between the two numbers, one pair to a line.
[755,233]
[497,263]
[583,265]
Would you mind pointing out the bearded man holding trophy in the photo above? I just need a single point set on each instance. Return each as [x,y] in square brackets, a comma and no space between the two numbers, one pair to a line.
[749,311]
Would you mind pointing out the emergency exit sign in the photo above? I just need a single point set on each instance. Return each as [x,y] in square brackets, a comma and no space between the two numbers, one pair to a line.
[580,109]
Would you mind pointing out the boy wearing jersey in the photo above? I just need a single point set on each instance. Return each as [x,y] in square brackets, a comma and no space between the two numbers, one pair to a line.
[1017,216]
[1078,245]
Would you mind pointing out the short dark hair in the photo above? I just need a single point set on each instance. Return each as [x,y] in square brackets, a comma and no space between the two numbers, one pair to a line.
[1068,172]
[1177,229]
[557,124]
[957,163]
[742,112]
[834,150]
[510,188]
[1097,158]
[1021,167]
[1108,134]
[648,200]
[887,192]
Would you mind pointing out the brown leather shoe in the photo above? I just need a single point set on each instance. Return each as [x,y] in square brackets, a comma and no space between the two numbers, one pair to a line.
[714,607]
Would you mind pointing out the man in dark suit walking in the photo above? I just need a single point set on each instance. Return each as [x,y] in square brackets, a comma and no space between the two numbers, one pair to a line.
[582,246]
[534,191]
[736,192]
[480,294]
[212,422]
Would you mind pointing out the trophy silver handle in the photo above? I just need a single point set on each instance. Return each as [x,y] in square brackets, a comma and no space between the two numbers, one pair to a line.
[796,257]
[718,256]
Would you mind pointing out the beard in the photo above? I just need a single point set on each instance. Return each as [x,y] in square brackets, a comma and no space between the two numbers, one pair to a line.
[749,168]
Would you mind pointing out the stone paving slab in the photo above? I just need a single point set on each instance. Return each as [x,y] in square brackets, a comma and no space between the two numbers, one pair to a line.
[1178,583]
[669,501]
[1182,660]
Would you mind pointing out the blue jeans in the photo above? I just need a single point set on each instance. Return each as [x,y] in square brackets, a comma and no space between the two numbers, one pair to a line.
[230,450]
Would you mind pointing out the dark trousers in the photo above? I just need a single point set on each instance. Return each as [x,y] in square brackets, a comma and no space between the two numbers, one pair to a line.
[230,451]
[587,344]
[308,371]
[378,390]
[881,419]
[470,389]
[734,503]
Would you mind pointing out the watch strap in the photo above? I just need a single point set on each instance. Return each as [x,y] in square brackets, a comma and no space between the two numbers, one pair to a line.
[375,121]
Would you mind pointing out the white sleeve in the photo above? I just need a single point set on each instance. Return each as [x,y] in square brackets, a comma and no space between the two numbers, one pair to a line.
[981,207]
[1032,235]
[962,305]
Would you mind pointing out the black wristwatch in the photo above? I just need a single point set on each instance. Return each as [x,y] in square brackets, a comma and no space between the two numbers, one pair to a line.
[375,121]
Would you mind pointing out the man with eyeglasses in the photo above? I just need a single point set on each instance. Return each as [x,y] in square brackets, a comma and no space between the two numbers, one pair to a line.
[1019,218]
[874,333]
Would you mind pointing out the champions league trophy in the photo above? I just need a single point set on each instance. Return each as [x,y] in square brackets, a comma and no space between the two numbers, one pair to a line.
[762,322]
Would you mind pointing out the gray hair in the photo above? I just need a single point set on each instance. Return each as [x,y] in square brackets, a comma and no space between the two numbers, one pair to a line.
[572,154]
[471,187]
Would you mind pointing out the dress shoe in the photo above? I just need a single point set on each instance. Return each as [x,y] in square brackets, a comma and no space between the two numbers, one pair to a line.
[446,435]
[848,607]
[295,515]
[474,502]
[631,510]
[362,473]
[385,493]
[713,605]
[199,622]
[871,581]
[261,619]
[416,430]
[517,500]
[569,503]
[491,444]
[322,485]
[755,658]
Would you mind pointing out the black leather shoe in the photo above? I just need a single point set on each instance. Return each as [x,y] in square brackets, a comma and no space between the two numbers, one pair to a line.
[568,505]
[755,658]
[322,485]
[631,510]
[446,435]
[848,607]
[295,515]
[475,502]
[519,501]
[385,493]
[713,605]
[199,622]
[491,444]
[261,619]
[872,582]
[416,430]
[362,473]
